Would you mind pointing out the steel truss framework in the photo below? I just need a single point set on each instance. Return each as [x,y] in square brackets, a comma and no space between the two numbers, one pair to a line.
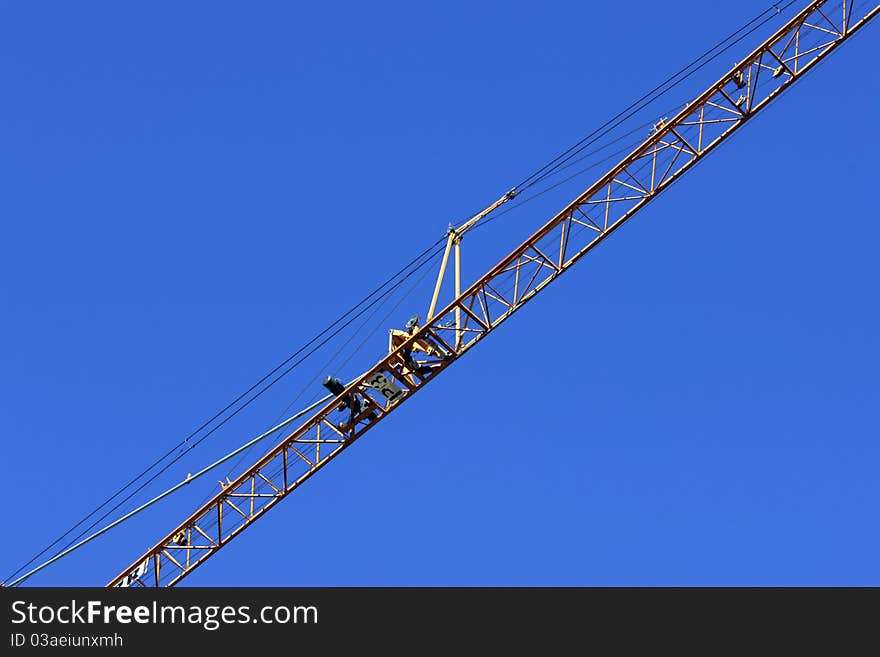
[673,148]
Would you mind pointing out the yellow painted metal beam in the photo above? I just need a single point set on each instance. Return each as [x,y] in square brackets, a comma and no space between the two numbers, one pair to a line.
[594,215]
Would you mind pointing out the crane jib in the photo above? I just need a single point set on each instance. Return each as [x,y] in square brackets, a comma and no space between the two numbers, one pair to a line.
[672,148]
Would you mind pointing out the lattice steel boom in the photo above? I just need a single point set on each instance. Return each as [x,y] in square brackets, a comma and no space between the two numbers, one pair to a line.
[673,148]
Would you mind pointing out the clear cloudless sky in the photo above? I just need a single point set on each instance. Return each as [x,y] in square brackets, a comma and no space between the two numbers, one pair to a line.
[188,191]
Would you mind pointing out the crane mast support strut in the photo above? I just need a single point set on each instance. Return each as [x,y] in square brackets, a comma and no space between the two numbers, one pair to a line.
[672,148]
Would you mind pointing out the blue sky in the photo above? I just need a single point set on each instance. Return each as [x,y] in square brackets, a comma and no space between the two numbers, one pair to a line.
[188,194]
